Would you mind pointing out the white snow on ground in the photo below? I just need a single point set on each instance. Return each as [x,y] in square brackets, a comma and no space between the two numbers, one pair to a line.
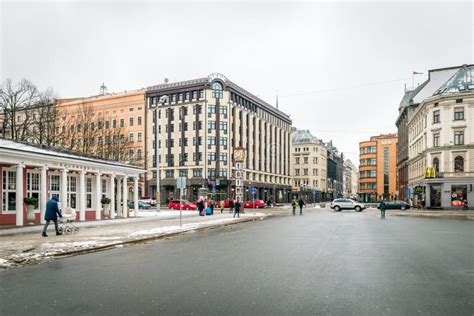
[4,263]
[74,244]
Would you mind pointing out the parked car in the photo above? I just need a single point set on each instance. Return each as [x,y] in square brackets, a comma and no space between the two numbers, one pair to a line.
[185,205]
[148,200]
[141,205]
[395,205]
[255,204]
[346,204]
[226,203]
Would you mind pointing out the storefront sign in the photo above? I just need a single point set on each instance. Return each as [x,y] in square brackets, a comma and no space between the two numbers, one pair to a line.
[430,172]
[418,189]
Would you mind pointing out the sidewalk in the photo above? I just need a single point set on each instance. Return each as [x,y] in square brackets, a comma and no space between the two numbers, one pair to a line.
[25,245]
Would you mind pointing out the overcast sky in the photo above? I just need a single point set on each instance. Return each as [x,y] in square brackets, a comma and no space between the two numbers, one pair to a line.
[339,68]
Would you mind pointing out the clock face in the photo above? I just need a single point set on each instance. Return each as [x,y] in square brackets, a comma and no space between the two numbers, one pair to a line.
[238,154]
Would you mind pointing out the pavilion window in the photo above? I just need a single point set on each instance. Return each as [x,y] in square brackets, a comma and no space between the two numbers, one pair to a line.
[88,193]
[54,185]
[9,190]
[72,191]
[33,186]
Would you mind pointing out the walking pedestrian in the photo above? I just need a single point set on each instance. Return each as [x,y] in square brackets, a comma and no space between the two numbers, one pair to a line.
[51,214]
[222,206]
[237,207]
[423,204]
[382,209]
[294,204]
[301,203]
[465,206]
[200,205]
[231,205]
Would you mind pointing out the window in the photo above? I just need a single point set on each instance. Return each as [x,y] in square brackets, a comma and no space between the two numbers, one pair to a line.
[222,157]
[71,191]
[315,172]
[139,154]
[436,117]
[223,126]
[211,140]
[54,185]
[107,124]
[131,121]
[197,109]
[131,137]
[32,186]
[211,109]
[371,173]
[297,172]
[183,173]
[170,173]
[130,109]
[223,110]
[211,156]
[222,172]
[183,157]
[217,90]
[169,128]
[9,190]
[297,160]
[197,157]
[197,173]
[139,120]
[458,164]
[305,160]
[130,154]
[122,122]
[435,140]
[197,141]
[88,193]
[195,94]
[197,125]
[211,172]
[305,171]
[315,159]
[459,114]
[139,136]
[436,164]
[223,141]
[459,138]
[372,162]
[211,125]
[114,123]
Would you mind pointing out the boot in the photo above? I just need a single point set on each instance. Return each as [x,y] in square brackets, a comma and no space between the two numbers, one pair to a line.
[44,234]
[58,233]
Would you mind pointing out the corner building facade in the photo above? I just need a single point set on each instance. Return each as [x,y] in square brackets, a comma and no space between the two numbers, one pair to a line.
[200,123]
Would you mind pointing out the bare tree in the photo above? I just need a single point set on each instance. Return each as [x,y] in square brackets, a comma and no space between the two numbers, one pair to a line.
[21,108]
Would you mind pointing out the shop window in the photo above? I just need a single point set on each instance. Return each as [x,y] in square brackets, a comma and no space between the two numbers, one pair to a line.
[33,186]
[71,191]
[54,185]
[458,164]
[458,195]
[88,193]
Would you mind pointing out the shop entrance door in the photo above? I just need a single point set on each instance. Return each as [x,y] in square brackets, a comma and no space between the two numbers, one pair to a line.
[435,196]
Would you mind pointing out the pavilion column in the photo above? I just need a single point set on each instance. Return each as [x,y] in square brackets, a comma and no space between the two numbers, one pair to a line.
[43,193]
[19,194]
[63,198]
[98,196]
[112,196]
[119,197]
[82,195]
[125,197]
[135,196]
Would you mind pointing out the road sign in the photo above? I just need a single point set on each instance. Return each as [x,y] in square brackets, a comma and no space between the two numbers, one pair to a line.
[253,191]
[181,183]
[408,191]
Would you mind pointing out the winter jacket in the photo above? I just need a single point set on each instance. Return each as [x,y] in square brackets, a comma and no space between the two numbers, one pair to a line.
[52,210]
[294,203]
[382,205]
[237,207]
[200,205]
[301,203]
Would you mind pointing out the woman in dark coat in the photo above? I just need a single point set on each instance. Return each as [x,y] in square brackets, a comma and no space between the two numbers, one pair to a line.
[51,214]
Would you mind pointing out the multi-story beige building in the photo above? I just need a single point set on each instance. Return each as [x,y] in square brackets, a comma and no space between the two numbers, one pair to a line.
[309,163]
[109,125]
[441,144]
[351,180]
[201,121]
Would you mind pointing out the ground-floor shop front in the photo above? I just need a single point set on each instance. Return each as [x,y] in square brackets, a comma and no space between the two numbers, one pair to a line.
[442,193]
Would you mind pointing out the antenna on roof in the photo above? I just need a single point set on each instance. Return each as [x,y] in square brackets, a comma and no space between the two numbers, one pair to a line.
[103,89]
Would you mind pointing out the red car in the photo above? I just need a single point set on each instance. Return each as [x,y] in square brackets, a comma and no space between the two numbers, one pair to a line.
[185,205]
[226,203]
[255,204]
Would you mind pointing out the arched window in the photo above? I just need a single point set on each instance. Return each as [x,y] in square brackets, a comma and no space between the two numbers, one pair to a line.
[458,164]
[217,90]
[436,164]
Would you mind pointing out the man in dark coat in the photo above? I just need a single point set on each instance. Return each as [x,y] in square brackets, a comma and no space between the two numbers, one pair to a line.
[301,203]
[382,209]
[237,207]
[51,214]
[200,206]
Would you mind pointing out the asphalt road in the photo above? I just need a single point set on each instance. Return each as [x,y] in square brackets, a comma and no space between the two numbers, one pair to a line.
[324,263]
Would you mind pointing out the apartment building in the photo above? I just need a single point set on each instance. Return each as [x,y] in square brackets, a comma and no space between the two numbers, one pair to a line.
[200,123]
[309,163]
[377,169]
[351,180]
[109,126]
[441,143]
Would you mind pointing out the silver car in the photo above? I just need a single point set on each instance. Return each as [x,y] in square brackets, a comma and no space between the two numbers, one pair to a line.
[346,204]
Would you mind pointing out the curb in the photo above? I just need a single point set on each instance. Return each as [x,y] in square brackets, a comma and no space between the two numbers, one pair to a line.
[445,216]
[133,241]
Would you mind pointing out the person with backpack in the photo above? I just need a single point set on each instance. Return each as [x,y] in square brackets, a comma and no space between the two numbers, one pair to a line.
[294,204]
[237,207]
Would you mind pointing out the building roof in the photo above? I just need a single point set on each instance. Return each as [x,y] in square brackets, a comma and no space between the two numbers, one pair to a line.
[299,137]
[461,81]
[166,87]
[69,101]
[59,152]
